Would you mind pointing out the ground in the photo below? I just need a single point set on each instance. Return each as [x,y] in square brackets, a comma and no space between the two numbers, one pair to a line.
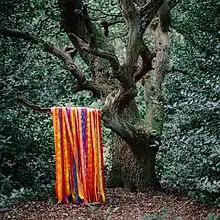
[120,205]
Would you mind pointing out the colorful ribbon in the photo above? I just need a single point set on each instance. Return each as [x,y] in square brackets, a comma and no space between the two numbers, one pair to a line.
[78,154]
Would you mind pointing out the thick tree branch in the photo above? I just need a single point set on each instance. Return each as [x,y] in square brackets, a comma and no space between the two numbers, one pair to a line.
[148,12]
[112,58]
[24,102]
[132,19]
[106,55]
[123,129]
[65,57]
[121,126]
[125,97]
[137,25]
[128,11]
[90,86]
[146,64]
[35,40]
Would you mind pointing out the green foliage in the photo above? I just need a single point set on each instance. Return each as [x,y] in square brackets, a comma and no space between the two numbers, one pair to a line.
[189,158]
[213,216]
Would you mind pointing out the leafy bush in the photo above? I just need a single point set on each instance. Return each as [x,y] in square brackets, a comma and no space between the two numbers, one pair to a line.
[189,158]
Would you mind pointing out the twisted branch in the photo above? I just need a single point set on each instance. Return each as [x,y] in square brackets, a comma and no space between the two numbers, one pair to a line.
[65,55]
[112,58]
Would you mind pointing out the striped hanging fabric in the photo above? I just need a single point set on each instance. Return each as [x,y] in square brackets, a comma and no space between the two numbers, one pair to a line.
[78,155]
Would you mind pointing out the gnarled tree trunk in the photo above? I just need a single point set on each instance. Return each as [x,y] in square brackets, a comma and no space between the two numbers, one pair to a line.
[136,141]
[135,168]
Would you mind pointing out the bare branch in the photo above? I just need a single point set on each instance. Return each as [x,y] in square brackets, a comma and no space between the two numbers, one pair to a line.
[100,53]
[35,40]
[65,57]
[24,102]
[148,12]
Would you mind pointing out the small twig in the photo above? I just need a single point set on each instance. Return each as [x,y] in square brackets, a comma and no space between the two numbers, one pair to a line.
[183,205]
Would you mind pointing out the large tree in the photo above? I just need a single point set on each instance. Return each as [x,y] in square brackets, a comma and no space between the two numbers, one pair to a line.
[136,141]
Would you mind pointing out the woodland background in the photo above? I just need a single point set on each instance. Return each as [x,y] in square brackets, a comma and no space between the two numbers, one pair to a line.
[189,158]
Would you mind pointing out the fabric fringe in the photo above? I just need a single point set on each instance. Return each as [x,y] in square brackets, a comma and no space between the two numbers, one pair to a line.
[78,155]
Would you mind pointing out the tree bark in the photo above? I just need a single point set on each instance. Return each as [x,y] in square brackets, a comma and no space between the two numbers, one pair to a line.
[133,171]
[134,168]
[153,87]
